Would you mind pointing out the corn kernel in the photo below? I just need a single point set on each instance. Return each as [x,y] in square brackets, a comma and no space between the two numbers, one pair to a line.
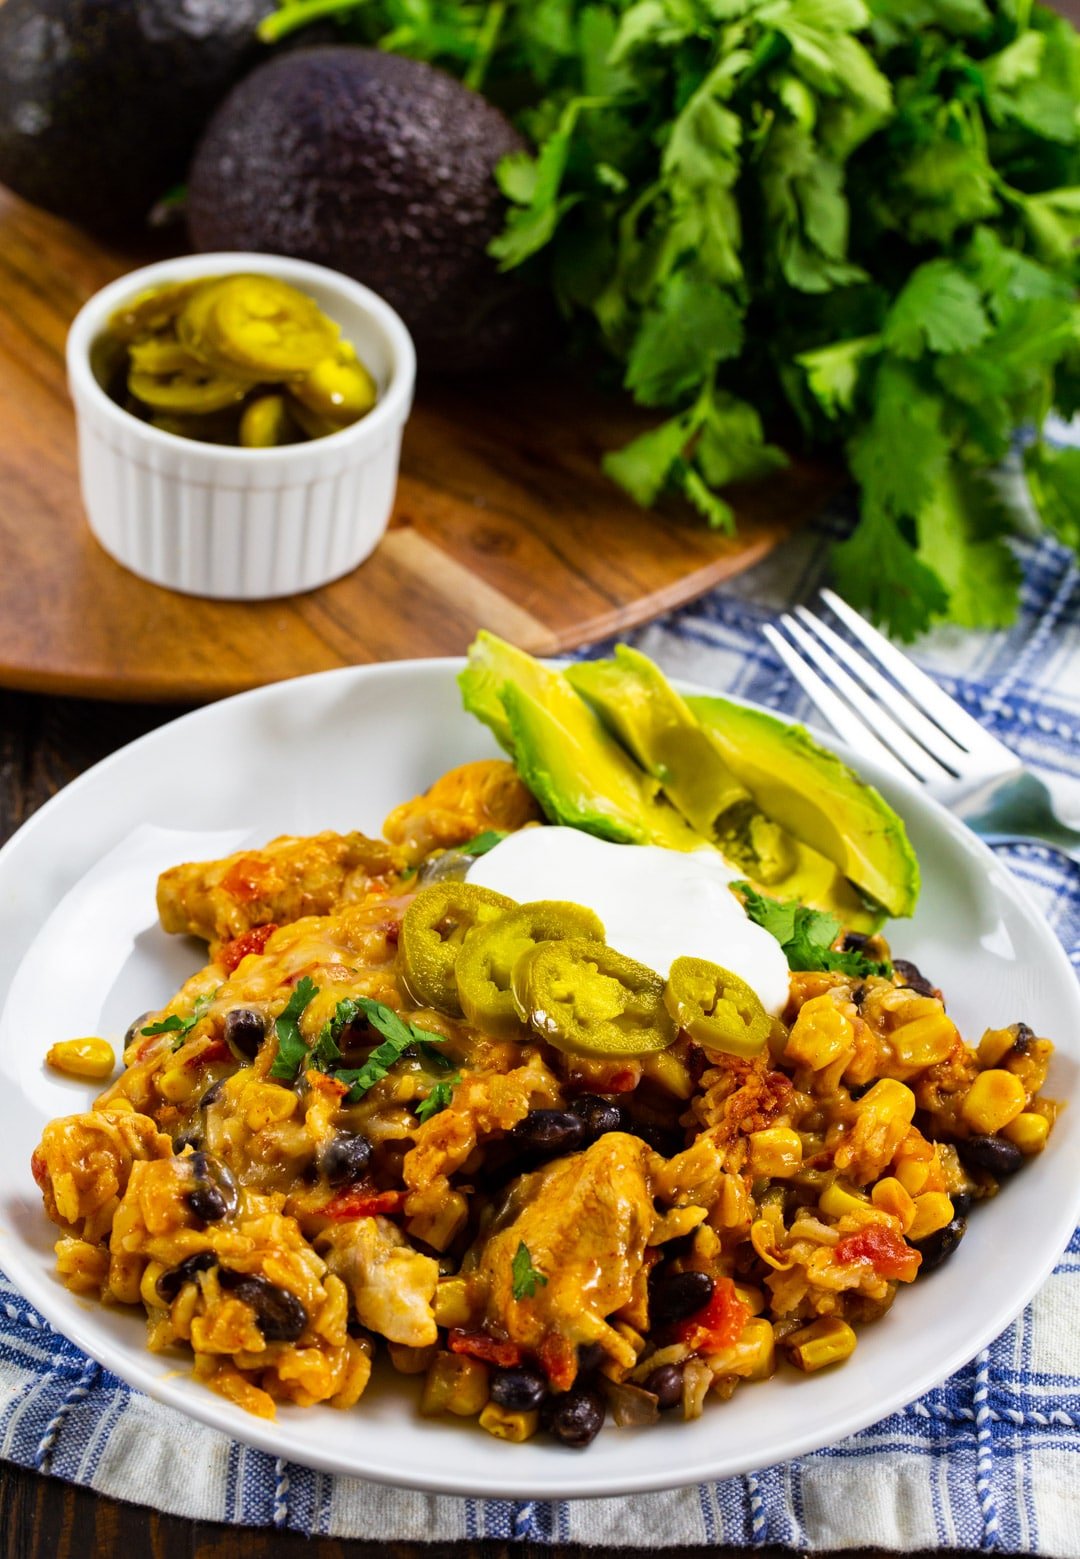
[887,1101]
[266,1103]
[829,1341]
[411,1361]
[836,1202]
[454,1384]
[178,1083]
[752,1356]
[507,1425]
[933,1210]
[913,1173]
[924,1041]
[775,1151]
[820,1035]
[669,1073]
[994,1099]
[890,1195]
[994,1046]
[452,1304]
[438,1227]
[82,1058]
[1028,1131]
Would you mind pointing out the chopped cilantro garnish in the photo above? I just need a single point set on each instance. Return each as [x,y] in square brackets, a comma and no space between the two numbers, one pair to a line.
[292,1046]
[181,1027]
[438,1098]
[482,843]
[526,1278]
[806,935]
[399,1036]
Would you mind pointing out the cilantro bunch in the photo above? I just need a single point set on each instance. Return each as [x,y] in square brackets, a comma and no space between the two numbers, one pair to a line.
[852,223]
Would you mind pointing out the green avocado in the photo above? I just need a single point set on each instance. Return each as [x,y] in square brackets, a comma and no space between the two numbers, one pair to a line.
[817,799]
[579,775]
[643,711]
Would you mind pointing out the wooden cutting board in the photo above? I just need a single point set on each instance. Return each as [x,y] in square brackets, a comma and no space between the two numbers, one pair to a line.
[503,520]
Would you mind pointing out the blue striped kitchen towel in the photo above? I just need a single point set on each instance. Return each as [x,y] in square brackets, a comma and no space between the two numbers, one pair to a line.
[987,1461]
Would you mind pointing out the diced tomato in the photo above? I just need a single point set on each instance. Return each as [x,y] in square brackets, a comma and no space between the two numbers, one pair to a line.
[478,1345]
[559,1360]
[623,1081]
[248,878]
[38,1169]
[887,1252]
[216,1050]
[716,1325]
[362,1204]
[253,941]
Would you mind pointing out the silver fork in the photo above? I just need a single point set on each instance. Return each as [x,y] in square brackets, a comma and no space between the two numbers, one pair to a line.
[914,730]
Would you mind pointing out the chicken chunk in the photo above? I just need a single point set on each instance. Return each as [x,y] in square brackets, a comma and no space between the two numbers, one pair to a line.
[84,1162]
[288,879]
[392,1285]
[466,801]
[585,1222]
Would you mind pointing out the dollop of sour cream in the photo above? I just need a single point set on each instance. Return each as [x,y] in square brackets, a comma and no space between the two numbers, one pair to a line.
[656,904]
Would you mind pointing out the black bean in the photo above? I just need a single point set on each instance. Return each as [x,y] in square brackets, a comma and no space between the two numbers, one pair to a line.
[576,1416]
[858,995]
[279,1315]
[187,1139]
[520,1390]
[666,1384]
[961,1203]
[1023,1038]
[345,1158]
[245,1031]
[912,977]
[212,1094]
[675,1295]
[590,1356]
[208,1203]
[547,1134]
[993,1154]
[939,1246]
[855,941]
[170,1283]
[135,1028]
[600,1115]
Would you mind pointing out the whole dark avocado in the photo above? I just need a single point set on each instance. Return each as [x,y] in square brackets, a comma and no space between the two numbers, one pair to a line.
[102,101]
[380,167]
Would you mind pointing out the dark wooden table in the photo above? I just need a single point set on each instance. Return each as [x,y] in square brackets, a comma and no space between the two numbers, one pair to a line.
[44,743]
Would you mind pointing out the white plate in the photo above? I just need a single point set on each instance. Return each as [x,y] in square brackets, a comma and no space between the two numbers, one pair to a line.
[338,751]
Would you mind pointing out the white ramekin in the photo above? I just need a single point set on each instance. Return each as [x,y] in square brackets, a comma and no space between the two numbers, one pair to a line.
[244,524]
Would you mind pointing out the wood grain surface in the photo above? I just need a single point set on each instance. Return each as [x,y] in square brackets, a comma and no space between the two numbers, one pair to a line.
[503,519]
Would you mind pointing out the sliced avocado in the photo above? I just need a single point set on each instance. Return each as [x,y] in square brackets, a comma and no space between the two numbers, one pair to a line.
[577,772]
[643,711]
[817,799]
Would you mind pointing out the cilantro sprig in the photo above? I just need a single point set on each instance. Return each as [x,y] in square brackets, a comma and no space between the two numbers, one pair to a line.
[480,844]
[439,1098]
[525,1278]
[292,1046]
[400,1036]
[806,935]
[182,1027]
[858,220]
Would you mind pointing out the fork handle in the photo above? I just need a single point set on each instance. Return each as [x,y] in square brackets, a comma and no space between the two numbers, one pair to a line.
[1019,808]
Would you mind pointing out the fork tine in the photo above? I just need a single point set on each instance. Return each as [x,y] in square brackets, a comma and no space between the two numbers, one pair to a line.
[938,743]
[846,724]
[955,721]
[920,763]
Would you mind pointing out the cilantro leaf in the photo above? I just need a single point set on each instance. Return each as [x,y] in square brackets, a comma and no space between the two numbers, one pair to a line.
[292,1046]
[181,1027]
[938,310]
[482,843]
[806,935]
[400,1036]
[1054,480]
[438,1098]
[961,529]
[526,1278]
[691,325]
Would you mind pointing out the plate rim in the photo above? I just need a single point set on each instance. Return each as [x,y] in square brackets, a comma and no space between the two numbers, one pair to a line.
[171,1388]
